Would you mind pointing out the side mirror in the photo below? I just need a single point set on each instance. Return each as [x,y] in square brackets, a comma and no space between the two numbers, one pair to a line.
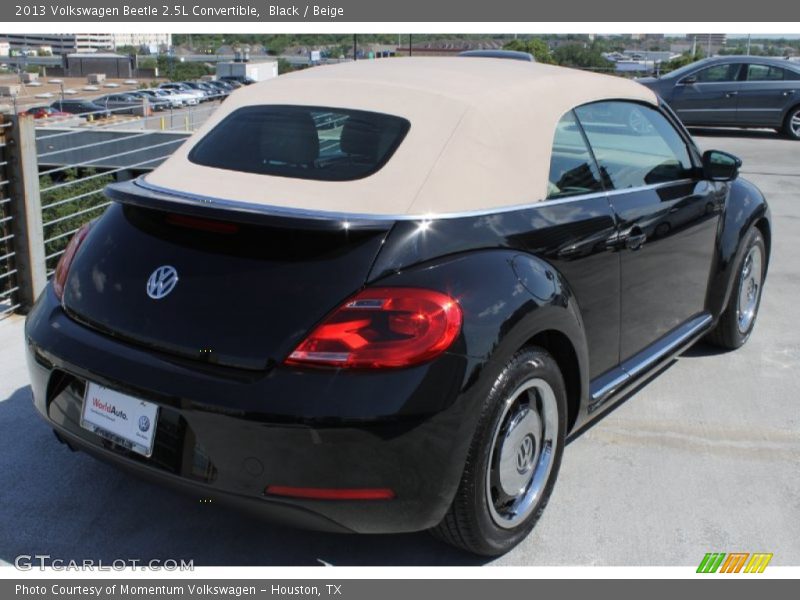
[688,80]
[720,166]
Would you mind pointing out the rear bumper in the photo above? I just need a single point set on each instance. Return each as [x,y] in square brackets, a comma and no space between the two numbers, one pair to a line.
[228,434]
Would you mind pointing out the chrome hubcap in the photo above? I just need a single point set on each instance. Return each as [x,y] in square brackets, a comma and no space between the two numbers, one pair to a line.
[749,289]
[523,450]
[795,124]
[638,123]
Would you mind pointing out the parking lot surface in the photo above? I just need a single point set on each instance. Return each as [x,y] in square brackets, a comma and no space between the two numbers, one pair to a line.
[703,458]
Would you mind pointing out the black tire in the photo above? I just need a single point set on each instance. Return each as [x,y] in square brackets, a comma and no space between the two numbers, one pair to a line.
[469,523]
[791,126]
[729,333]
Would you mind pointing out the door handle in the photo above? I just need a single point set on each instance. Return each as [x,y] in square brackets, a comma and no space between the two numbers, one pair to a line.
[788,93]
[731,94]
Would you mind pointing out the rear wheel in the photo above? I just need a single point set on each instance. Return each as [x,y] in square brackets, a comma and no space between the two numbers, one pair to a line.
[514,458]
[791,126]
[737,322]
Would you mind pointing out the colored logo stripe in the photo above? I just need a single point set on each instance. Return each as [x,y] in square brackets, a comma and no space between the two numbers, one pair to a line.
[711,562]
[758,562]
[734,562]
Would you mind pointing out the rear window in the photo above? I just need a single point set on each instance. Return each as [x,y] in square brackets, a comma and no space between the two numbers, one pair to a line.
[305,142]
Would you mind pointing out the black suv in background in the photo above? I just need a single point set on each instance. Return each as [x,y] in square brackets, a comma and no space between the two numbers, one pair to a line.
[734,91]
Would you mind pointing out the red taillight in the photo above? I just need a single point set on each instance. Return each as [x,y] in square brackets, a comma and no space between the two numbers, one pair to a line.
[65,262]
[330,493]
[383,328]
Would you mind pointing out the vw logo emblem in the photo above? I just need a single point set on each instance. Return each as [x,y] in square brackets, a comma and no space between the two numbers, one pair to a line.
[144,423]
[525,454]
[161,282]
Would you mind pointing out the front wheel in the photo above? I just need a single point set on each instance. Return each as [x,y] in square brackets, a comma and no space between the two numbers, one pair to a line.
[513,460]
[791,126]
[737,321]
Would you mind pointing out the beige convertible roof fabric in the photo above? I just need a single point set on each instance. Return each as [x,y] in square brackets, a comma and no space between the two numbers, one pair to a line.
[480,137]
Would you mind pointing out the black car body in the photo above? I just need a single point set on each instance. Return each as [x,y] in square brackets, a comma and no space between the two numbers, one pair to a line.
[375,314]
[734,91]
[84,108]
[238,79]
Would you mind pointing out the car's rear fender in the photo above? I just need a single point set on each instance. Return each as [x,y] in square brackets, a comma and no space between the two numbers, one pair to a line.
[508,299]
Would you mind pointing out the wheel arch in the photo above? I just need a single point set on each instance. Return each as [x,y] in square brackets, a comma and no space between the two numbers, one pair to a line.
[745,207]
[784,125]
[765,228]
[559,345]
[788,111]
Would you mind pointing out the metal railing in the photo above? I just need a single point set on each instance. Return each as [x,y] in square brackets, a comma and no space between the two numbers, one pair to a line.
[8,285]
[52,181]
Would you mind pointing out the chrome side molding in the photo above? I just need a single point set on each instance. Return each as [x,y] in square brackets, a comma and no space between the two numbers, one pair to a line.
[609,384]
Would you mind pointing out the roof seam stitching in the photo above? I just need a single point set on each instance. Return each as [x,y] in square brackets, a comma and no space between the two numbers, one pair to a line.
[438,158]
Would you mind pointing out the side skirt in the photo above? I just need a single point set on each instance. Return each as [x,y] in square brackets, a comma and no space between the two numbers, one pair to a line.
[613,383]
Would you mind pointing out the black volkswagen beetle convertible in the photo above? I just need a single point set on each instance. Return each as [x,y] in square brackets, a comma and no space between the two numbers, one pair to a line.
[379,296]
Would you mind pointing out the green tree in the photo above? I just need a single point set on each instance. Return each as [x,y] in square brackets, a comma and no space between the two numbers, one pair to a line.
[684,59]
[78,199]
[284,66]
[580,56]
[536,46]
[175,70]
[127,50]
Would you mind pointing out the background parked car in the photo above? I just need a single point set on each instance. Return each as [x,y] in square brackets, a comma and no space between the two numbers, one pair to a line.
[44,112]
[223,86]
[158,96]
[125,104]
[239,80]
[198,87]
[231,81]
[190,96]
[155,102]
[185,98]
[86,108]
[734,91]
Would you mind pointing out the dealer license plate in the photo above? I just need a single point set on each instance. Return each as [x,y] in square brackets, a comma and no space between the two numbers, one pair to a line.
[125,420]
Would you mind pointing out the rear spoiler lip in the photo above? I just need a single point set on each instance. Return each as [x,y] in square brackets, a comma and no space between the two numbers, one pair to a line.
[138,192]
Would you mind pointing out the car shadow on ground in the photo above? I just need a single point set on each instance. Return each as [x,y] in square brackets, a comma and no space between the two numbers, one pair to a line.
[69,506]
[703,349]
[619,402]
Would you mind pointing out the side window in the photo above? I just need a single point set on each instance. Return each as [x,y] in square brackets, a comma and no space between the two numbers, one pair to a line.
[790,75]
[572,169]
[718,73]
[634,145]
[764,73]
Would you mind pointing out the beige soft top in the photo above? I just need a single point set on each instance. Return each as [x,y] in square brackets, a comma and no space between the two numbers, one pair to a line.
[480,138]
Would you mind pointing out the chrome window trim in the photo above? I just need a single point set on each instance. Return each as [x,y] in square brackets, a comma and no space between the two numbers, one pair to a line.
[727,82]
[197,199]
[728,109]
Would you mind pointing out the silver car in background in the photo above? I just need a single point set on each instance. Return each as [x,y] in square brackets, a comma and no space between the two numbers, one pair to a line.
[186,94]
[734,91]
